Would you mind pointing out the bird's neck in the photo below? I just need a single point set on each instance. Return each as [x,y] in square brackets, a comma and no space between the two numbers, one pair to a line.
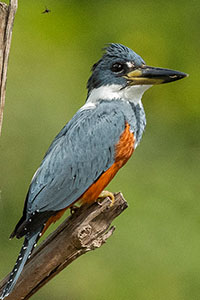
[114,91]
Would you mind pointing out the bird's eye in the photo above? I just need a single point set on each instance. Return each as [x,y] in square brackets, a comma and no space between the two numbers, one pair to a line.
[117,67]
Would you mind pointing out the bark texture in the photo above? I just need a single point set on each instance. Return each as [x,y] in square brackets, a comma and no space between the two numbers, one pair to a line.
[7,15]
[86,229]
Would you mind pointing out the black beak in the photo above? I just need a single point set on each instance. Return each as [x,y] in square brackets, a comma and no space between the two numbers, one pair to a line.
[151,75]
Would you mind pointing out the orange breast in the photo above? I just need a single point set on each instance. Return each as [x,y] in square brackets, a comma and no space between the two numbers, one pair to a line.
[123,152]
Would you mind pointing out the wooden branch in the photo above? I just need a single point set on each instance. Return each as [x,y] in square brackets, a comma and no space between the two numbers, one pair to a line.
[7,15]
[85,230]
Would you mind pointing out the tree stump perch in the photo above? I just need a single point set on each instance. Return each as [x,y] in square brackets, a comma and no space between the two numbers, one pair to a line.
[85,230]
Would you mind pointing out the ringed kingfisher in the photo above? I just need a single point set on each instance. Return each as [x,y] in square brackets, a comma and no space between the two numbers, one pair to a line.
[91,148]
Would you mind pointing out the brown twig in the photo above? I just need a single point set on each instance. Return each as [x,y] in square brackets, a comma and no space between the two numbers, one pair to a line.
[85,230]
[7,15]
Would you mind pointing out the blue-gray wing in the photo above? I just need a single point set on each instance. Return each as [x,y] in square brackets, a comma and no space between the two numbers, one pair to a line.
[81,152]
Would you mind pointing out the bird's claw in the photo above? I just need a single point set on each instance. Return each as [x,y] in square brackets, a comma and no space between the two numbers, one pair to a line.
[105,194]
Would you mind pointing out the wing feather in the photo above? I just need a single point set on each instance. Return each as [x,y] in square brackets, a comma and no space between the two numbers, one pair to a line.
[80,153]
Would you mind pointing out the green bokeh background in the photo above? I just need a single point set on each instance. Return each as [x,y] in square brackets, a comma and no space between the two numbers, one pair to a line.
[155,250]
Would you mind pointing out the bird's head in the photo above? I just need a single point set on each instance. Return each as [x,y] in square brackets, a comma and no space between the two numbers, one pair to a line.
[122,73]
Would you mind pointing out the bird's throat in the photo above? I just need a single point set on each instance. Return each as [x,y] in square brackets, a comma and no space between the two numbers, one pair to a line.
[113,92]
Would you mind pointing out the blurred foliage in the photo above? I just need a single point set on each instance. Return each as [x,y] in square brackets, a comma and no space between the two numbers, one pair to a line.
[154,253]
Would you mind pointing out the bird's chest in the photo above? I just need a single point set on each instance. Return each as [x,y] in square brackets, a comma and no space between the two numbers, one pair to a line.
[125,146]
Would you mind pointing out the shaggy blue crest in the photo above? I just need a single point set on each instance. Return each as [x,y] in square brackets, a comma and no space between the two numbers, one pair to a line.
[102,74]
[123,52]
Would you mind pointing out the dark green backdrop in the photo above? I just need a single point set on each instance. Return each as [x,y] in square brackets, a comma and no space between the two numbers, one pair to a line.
[155,252]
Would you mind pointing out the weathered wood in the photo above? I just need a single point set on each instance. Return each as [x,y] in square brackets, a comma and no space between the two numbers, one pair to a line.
[7,15]
[85,230]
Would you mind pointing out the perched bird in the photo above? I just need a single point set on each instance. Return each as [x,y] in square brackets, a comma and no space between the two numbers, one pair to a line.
[91,148]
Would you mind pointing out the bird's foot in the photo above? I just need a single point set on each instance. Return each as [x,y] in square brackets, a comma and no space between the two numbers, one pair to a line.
[73,209]
[105,194]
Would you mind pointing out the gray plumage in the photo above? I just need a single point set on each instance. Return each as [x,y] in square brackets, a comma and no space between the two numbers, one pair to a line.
[83,150]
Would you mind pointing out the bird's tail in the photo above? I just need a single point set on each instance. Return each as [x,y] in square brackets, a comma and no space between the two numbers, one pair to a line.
[29,243]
